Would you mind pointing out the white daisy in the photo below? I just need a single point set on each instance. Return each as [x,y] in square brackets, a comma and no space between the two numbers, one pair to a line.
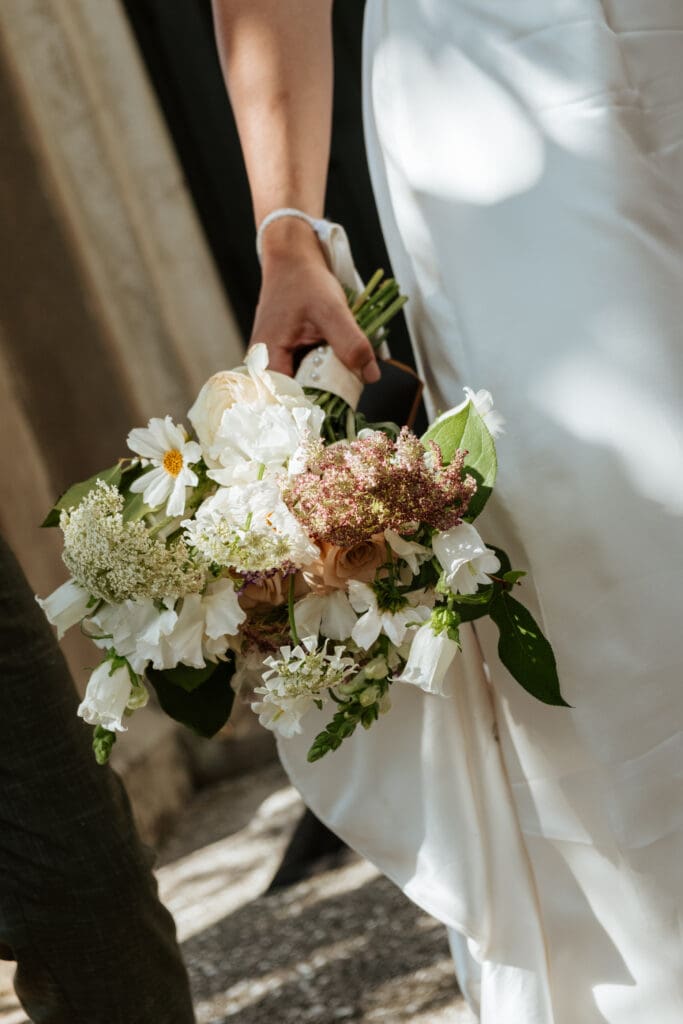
[165,446]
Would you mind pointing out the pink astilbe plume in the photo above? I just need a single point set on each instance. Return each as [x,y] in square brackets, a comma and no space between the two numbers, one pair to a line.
[350,491]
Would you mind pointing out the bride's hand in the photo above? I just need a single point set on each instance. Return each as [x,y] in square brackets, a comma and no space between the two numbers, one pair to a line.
[301,303]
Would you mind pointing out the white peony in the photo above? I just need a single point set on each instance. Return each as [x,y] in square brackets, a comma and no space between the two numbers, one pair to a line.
[107,696]
[246,393]
[431,655]
[373,621]
[165,445]
[253,436]
[464,558]
[65,606]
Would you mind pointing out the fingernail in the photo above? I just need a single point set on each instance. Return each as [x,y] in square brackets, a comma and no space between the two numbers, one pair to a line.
[371,372]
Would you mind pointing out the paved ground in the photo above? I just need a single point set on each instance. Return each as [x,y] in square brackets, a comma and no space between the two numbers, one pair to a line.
[343,946]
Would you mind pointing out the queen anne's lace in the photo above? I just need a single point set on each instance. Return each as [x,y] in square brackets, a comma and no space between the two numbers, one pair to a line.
[116,560]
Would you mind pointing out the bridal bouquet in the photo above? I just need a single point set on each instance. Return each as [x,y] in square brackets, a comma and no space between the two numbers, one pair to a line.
[289,550]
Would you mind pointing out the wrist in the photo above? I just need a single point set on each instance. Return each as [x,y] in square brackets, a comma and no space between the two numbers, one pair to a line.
[289,238]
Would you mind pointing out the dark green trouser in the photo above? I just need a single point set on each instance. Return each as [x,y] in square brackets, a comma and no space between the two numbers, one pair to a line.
[79,910]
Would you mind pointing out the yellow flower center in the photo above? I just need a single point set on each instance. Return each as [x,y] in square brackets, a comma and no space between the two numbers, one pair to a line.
[173,462]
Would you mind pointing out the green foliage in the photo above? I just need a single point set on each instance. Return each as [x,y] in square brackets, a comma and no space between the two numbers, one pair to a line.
[201,699]
[467,430]
[102,742]
[75,494]
[350,714]
[524,650]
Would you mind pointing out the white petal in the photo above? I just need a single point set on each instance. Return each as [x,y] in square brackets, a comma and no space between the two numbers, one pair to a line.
[429,660]
[361,596]
[65,606]
[222,611]
[155,486]
[308,613]
[191,453]
[106,697]
[176,501]
[338,618]
[143,441]
[367,629]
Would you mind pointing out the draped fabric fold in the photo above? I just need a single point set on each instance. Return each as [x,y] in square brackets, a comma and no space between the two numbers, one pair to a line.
[527,161]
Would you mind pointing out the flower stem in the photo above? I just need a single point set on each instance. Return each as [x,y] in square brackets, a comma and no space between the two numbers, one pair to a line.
[290,609]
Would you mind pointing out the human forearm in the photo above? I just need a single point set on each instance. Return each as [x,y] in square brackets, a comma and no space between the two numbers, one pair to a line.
[276,57]
[277,63]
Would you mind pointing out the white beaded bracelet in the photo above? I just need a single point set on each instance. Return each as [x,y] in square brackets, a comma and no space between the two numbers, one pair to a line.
[319,225]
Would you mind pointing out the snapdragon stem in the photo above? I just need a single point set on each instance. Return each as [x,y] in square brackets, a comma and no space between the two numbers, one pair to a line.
[290,609]
[360,299]
[384,317]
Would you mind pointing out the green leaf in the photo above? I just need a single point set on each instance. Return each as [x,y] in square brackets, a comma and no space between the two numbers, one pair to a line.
[187,677]
[524,650]
[206,707]
[513,575]
[75,495]
[466,429]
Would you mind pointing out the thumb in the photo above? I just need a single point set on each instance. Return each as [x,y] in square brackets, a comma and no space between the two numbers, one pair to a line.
[350,345]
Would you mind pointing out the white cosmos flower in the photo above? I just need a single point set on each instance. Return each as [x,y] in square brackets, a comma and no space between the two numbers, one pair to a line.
[410,551]
[464,557]
[329,614]
[165,445]
[106,697]
[65,606]
[430,658]
[372,621]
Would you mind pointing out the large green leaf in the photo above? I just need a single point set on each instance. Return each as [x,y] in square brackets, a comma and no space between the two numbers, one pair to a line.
[466,429]
[204,708]
[75,494]
[524,650]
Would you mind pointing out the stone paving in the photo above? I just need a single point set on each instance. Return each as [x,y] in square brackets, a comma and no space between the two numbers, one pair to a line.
[344,945]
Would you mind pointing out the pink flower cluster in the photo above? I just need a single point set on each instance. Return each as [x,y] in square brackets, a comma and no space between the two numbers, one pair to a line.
[350,491]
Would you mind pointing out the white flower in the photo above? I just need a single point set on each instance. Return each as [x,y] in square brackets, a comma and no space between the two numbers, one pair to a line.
[201,630]
[429,659]
[251,384]
[165,445]
[65,606]
[248,527]
[330,614]
[135,629]
[373,621]
[483,406]
[294,681]
[106,697]
[282,715]
[411,552]
[464,557]
[252,436]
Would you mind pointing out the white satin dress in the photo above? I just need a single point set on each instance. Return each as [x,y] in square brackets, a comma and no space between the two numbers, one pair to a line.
[527,160]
